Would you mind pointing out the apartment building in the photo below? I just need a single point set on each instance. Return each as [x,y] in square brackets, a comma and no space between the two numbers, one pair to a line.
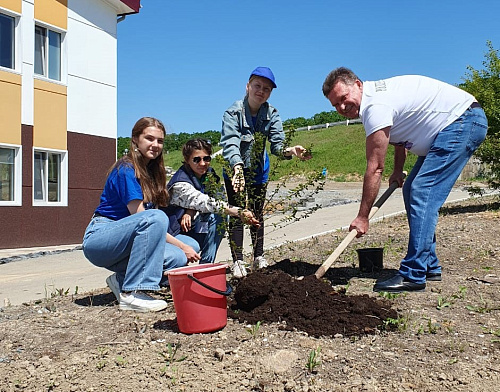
[58,115]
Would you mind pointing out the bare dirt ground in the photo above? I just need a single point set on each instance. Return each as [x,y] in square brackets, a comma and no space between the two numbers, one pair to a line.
[446,338]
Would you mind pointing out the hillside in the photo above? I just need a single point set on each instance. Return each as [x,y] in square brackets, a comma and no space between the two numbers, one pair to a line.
[339,149]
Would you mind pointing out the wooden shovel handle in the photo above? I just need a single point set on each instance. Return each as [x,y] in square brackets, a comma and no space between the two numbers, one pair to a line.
[336,253]
[352,234]
[382,199]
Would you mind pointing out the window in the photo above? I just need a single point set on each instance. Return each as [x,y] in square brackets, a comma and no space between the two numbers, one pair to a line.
[49,178]
[10,175]
[6,41]
[47,53]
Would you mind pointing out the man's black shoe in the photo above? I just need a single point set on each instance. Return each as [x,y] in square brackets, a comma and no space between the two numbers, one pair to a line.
[433,276]
[397,284]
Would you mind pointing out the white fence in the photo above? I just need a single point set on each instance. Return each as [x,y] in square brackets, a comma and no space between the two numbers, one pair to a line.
[328,125]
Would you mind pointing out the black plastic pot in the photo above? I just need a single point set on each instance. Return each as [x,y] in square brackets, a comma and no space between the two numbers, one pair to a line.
[370,259]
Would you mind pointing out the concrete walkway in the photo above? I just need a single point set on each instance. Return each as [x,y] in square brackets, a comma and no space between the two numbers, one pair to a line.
[41,272]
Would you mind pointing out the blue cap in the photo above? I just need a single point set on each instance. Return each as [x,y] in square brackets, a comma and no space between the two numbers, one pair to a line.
[264,72]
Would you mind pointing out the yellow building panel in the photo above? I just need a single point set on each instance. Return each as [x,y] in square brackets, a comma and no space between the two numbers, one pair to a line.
[12,5]
[49,86]
[50,116]
[53,12]
[10,108]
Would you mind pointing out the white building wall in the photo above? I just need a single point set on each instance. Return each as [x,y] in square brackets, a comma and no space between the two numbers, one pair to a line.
[92,68]
[27,54]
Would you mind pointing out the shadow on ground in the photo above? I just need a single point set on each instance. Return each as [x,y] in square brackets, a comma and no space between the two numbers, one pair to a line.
[105,299]
[336,276]
[482,206]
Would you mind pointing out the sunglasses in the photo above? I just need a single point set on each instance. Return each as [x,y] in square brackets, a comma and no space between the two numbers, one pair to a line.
[206,159]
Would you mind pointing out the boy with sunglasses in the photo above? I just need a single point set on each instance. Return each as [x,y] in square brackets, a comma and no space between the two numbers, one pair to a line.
[195,210]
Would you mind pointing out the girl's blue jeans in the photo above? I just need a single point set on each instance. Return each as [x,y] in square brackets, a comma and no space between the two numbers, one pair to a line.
[134,247]
[428,185]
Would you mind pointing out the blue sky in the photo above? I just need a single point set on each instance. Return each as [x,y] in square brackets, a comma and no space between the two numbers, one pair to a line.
[186,61]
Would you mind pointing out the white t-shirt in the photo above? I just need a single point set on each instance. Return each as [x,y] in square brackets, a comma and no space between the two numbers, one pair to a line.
[416,108]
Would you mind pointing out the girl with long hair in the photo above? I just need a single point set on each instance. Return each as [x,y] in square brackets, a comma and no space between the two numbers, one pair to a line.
[127,233]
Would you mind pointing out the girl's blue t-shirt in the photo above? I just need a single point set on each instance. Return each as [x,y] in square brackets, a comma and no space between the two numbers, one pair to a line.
[120,189]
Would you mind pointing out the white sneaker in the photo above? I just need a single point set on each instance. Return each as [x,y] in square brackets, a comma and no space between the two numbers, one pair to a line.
[114,286]
[139,301]
[238,269]
[260,262]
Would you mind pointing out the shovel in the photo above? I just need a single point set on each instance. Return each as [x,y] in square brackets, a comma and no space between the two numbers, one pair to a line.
[352,234]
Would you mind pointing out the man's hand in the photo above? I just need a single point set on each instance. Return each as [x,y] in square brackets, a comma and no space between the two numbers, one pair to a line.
[397,177]
[361,225]
[238,180]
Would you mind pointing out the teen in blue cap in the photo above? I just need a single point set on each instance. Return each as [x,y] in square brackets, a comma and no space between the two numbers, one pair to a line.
[250,168]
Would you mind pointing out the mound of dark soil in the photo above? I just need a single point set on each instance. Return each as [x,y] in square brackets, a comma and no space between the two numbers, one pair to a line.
[306,304]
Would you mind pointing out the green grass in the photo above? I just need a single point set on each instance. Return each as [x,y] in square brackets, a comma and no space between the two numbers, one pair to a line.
[341,149]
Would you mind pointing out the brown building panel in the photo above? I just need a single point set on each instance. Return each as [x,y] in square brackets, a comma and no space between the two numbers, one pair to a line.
[89,160]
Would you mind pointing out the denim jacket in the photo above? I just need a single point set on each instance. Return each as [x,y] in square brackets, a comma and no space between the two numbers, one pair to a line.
[237,137]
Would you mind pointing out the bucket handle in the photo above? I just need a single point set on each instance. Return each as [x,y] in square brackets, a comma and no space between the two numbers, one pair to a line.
[228,291]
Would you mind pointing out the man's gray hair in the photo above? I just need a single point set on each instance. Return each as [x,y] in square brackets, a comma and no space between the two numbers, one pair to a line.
[341,74]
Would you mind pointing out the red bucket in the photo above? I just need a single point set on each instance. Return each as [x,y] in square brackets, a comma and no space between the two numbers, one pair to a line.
[199,294]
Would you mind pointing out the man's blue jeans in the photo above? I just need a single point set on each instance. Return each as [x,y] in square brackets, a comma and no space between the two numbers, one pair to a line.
[428,185]
[133,247]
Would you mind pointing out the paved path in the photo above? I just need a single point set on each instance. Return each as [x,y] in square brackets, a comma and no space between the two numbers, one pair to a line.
[32,278]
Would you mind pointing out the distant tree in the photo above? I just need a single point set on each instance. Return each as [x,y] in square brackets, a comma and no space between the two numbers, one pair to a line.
[327,117]
[212,136]
[122,144]
[181,139]
[295,123]
[485,86]
[318,119]
[175,141]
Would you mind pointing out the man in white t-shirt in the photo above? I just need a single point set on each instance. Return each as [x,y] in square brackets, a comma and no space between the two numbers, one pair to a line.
[440,123]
